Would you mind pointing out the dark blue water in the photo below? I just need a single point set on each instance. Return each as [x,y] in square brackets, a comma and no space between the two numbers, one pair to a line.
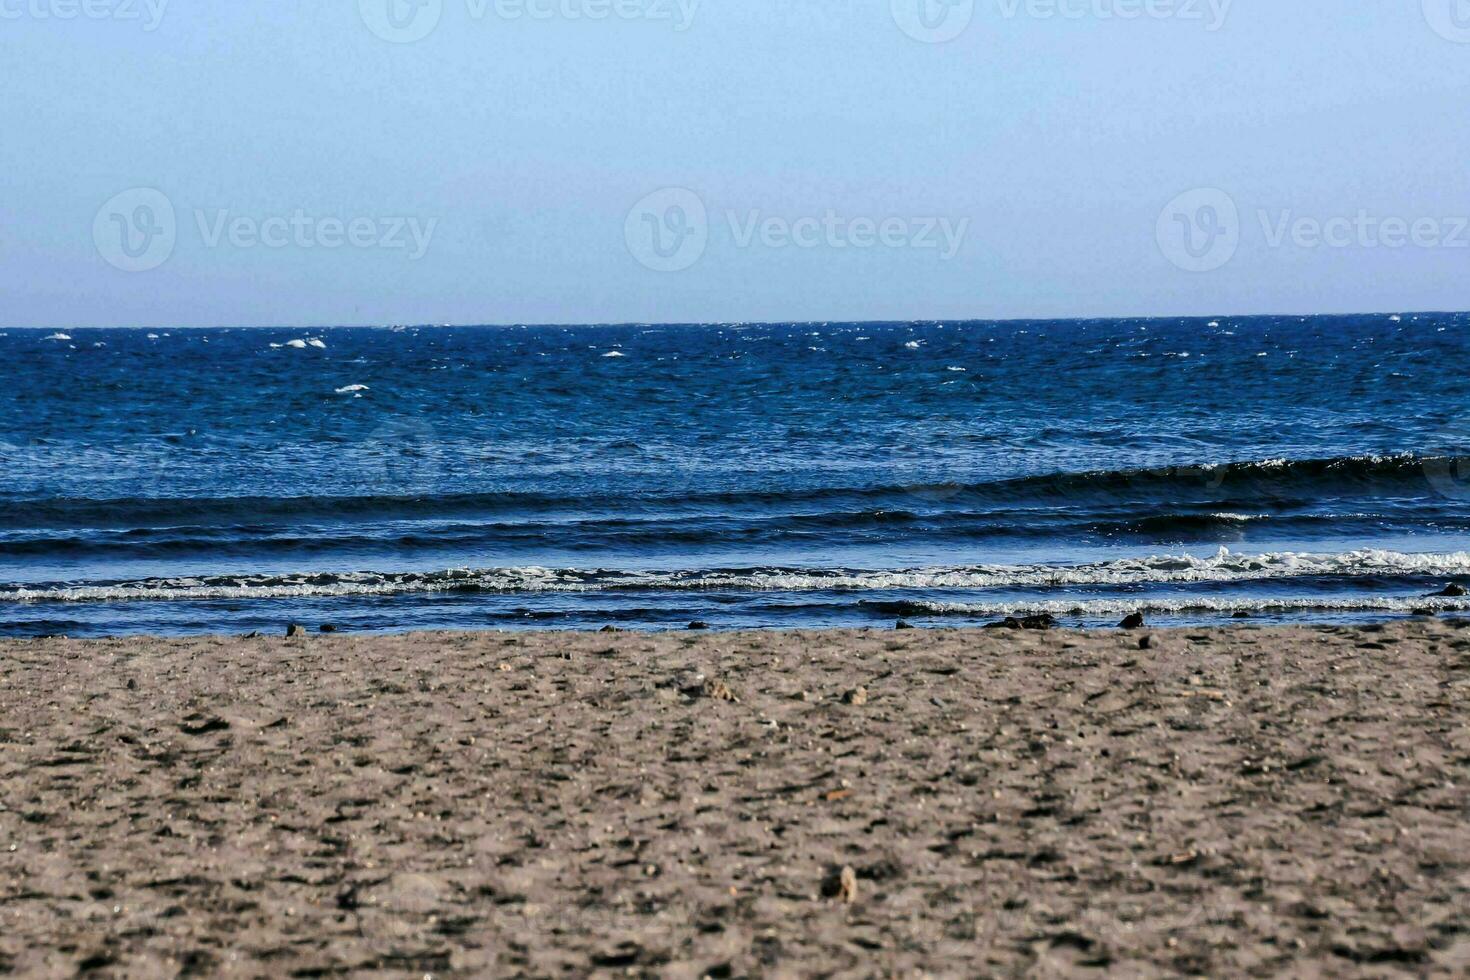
[791,475]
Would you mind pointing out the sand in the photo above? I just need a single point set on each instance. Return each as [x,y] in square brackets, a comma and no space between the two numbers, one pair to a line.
[1234,801]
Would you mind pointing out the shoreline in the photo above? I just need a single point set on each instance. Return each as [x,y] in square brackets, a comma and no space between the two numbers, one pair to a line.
[1241,799]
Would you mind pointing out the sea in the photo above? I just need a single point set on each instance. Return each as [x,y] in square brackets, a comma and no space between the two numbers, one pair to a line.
[790,475]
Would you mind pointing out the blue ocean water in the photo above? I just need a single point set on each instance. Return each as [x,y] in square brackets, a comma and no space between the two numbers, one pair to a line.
[190,481]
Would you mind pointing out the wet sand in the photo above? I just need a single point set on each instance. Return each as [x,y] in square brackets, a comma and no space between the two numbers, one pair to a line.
[1227,801]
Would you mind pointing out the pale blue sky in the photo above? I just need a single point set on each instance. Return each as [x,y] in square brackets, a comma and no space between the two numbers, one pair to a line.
[1048,145]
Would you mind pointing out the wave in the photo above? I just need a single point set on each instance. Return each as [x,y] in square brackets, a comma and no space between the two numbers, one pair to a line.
[1222,567]
[1237,486]
[1123,606]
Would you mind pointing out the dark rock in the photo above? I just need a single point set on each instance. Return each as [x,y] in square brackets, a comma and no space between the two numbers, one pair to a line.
[903,624]
[858,696]
[698,625]
[1042,622]
[252,635]
[327,628]
[1453,591]
[1145,642]
[202,724]
[295,629]
[609,629]
[1134,622]
[1424,612]
[1240,614]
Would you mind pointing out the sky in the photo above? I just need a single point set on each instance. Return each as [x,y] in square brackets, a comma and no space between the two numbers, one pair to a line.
[336,162]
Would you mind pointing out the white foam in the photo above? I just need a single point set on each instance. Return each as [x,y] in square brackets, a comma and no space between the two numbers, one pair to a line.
[315,342]
[1223,567]
[914,344]
[59,336]
[298,344]
[1122,606]
[349,389]
[614,353]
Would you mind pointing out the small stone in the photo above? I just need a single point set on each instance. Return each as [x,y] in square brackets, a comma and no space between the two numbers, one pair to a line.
[326,628]
[903,624]
[1145,642]
[295,629]
[858,696]
[847,888]
[698,625]
[1133,622]
[718,691]
[609,629]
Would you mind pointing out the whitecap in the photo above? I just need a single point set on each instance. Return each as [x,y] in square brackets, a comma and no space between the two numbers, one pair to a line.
[59,336]
[614,353]
[349,389]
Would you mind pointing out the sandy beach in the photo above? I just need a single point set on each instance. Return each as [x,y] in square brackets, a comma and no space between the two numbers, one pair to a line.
[869,803]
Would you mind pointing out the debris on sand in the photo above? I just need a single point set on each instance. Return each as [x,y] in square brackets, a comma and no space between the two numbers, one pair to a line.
[1041,622]
[857,697]
[717,690]
[841,885]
